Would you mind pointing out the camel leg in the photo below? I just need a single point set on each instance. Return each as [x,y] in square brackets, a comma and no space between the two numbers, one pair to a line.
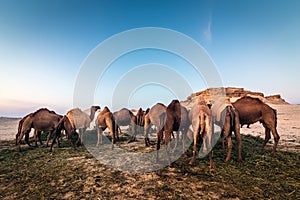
[267,136]
[99,132]
[229,140]
[27,138]
[118,132]
[167,142]
[80,138]
[223,139]
[227,135]
[146,132]
[239,142]
[176,141]
[36,132]
[26,133]
[196,132]
[40,137]
[159,135]
[184,133]
[57,138]
[134,130]
[53,141]
[48,139]
[276,138]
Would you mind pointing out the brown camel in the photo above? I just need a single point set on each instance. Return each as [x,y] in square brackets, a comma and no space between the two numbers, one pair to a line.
[20,129]
[174,119]
[37,133]
[105,119]
[140,120]
[252,110]
[64,124]
[41,120]
[125,117]
[226,117]
[153,117]
[201,117]
[81,120]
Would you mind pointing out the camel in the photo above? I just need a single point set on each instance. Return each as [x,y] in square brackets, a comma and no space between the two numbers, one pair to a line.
[252,110]
[152,117]
[201,117]
[64,123]
[81,120]
[125,117]
[140,119]
[105,119]
[41,120]
[20,129]
[174,119]
[227,118]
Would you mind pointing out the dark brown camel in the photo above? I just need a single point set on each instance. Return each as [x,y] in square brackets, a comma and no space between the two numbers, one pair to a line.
[153,117]
[201,118]
[64,124]
[41,120]
[105,119]
[174,119]
[125,117]
[252,110]
[140,119]
[226,117]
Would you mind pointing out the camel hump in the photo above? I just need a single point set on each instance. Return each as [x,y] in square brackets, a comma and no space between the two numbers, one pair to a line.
[105,109]
[160,104]
[75,111]
[41,110]
[174,107]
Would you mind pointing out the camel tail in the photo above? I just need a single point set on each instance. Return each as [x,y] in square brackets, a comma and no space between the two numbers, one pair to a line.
[201,122]
[20,126]
[275,114]
[232,117]
[19,129]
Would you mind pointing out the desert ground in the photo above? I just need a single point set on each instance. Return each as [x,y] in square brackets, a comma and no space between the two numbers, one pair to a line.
[35,173]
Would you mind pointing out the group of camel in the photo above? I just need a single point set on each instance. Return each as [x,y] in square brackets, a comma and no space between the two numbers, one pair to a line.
[167,120]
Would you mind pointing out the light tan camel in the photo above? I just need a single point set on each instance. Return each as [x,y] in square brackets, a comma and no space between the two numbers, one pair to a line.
[125,117]
[105,120]
[227,118]
[201,117]
[81,120]
[153,117]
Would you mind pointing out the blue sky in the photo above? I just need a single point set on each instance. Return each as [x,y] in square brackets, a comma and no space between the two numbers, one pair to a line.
[254,44]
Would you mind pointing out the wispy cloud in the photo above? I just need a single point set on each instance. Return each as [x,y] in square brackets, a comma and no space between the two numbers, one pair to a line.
[207,31]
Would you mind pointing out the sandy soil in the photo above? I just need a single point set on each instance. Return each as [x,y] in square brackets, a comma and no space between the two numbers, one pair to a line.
[8,128]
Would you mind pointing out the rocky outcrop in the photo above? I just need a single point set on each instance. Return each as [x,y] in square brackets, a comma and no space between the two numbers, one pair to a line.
[234,94]
[275,99]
